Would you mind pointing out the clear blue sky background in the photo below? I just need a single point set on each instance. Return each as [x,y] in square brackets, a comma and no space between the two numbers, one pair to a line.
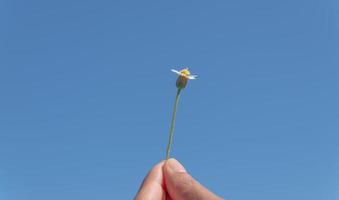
[86,95]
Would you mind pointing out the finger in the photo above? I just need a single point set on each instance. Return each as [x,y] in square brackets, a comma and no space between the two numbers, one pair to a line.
[152,187]
[181,186]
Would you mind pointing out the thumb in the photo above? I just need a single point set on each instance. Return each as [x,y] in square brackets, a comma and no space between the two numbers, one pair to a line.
[181,186]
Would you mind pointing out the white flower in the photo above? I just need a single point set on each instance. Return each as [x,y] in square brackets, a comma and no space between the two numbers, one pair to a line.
[184,76]
[185,73]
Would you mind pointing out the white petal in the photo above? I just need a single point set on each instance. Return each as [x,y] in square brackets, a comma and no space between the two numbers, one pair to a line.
[175,71]
[192,77]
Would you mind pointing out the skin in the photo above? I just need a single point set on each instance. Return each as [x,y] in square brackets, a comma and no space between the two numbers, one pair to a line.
[168,180]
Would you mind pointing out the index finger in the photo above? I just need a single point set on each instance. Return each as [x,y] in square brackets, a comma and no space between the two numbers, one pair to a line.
[153,185]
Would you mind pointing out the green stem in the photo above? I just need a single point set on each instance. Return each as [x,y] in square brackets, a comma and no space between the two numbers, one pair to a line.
[172,124]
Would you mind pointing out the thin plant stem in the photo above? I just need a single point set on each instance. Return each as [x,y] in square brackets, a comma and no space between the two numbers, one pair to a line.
[172,124]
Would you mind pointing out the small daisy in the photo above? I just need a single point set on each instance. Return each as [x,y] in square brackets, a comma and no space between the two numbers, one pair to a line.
[184,75]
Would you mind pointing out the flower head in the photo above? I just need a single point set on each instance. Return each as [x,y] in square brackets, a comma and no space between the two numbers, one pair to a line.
[184,75]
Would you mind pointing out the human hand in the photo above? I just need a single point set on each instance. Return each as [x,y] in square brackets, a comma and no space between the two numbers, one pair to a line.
[168,180]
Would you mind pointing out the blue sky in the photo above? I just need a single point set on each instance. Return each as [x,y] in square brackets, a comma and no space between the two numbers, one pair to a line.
[87,93]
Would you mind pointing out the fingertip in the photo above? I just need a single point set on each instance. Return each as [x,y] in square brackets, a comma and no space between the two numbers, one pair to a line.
[152,186]
[155,174]
[174,165]
[181,185]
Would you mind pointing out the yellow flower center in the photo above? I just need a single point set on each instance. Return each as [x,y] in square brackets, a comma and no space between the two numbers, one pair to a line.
[185,72]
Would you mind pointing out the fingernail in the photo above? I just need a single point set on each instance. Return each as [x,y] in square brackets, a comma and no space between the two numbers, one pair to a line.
[175,165]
